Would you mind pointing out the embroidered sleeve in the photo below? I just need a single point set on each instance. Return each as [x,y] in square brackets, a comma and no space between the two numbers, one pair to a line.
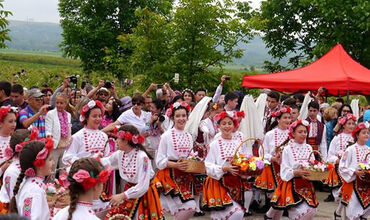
[27,206]
[7,185]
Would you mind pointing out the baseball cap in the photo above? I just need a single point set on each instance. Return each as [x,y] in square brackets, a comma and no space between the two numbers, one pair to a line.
[35,93]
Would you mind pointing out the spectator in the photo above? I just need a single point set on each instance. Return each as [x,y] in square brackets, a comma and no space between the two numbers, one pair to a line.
[155,128]
[299,97]
[273,105]
[48,93]
[17,96]
[294,113]
[188,96]
[199,94]
[34,113]
[5,90]
[231,100]
[111,113]
[148,103]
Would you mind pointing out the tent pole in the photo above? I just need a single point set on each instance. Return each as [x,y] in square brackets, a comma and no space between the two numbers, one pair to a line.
[348,97]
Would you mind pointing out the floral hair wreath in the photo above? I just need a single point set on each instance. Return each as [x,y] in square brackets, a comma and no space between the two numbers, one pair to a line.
[18,148]
[5,110]
[347,117]
[295,124]
[188,90]
[176,106]
[91,104]
[359,127]
[126,135]
[233,115]
[89,180]
[41,157]
[281,111]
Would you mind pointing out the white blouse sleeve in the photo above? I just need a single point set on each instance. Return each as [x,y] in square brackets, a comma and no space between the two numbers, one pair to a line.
[112,161]
[348,165]
[71,153]
[161,159]
[332,154]
[144,171]
[213,169]
[36,207]
[323,146]
[287,170]
[267,142]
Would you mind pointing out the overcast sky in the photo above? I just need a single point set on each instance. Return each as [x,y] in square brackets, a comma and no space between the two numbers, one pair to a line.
[44,10]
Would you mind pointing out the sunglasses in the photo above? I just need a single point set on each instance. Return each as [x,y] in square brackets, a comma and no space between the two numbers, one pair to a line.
[39,99]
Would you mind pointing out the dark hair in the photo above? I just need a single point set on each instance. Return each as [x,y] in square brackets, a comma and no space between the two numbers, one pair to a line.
[87,114]
[133,130]
[340,100]
[12,216]
[288,139]
[91,165]
[159,104]
[299,96]
[6,86]
[269,125]
[18,137]
[138,99]
[178,108]
[116,104]
[177,98]
[26,159]
[17,88]
[294,106]
[275,95]
[284,98]
[46,90]
[200,90]
[341,109]
[289,101]
[314,104]
[190,92]
[231,96]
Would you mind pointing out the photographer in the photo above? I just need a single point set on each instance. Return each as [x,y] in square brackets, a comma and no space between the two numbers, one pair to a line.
[103,91]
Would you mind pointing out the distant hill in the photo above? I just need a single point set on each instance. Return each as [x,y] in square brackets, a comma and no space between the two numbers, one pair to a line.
[39,36]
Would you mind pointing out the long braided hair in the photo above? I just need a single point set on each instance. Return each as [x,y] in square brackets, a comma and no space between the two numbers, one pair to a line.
[26,159]
[91,165]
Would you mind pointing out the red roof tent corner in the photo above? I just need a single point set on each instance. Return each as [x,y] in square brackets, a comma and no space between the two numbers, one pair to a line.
[336,71]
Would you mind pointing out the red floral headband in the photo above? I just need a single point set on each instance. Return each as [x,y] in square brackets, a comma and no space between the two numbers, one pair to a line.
[41,157]
[18,148]
[347,117]
[91,104]
[359,127]
[5,110]
[176,106]
[295,124]
[233,115]
[89,180]
[126,135]
[281,111]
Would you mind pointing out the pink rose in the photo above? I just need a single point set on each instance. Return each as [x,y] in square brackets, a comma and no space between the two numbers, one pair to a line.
[81,175]
[18,148]
[30,172]
[8,153]
[42,154]
[85,108]
[63,179]
[343,120]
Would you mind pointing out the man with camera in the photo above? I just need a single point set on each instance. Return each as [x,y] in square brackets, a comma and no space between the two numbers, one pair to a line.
[103,91]
[34,113]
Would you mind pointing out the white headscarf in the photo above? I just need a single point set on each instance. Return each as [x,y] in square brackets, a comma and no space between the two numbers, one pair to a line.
[355,107]
[196,116]
[261,105]
[303,113]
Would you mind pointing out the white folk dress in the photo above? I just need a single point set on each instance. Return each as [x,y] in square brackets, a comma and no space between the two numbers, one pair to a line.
[9,180]
[86,143]
[4,143]
[273,139]
[209,130]
[83,211]
[349,163]
[174,145]
[31,199]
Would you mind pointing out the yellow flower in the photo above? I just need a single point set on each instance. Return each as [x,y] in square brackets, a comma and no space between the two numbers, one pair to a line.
[252,166]
[362,166]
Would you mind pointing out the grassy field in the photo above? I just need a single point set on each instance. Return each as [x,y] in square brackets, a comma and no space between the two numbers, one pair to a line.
[32,52]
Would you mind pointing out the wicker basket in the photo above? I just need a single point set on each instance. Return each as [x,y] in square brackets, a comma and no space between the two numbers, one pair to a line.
[195,166]
[317,175]
[58,201]
[249,172]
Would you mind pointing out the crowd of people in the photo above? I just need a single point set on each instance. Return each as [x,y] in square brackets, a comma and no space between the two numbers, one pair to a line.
[128,158]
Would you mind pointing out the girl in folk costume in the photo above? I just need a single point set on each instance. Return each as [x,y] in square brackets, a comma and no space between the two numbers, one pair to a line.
[236,134]
[294,193]
[8,123]
[223,190]
[355,188]
[29,200]
[270,176]
[207,126]
[89,141]
[140,199]
[58,127]
[85,183]
[11,174]
[175,184]
[336,149]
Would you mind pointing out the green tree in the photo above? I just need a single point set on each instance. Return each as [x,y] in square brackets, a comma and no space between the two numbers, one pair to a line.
[91,27]
[307,29]
[4,31]
[195,41]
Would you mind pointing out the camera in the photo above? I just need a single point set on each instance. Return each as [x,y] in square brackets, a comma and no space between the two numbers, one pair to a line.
[159,86]
[227,77]
[73,79]
[108,84]
[161,118]
[50,108]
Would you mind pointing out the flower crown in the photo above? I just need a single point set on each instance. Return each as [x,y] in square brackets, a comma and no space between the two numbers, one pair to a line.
[91,104]
[359,127]
[347,117]
[89,180]
[233,115]
[281,111]
[188,90]
[176,106]
[18,148]
[5,110]
[126,135]
[41,157]
[295,124]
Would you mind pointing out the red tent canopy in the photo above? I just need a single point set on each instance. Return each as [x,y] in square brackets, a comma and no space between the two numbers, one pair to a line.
[336,71]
